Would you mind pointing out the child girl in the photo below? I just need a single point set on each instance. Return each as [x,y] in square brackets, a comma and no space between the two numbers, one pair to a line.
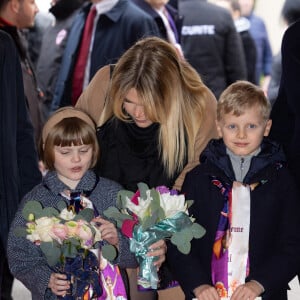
[69,150]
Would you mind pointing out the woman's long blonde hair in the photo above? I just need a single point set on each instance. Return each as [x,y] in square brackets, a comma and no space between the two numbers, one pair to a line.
[170,90]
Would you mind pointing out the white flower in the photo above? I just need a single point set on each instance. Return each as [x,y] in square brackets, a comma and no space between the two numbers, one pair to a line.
[172,204]
[66,214]
[44,227]
[142,210]
[86,203]
[33,237]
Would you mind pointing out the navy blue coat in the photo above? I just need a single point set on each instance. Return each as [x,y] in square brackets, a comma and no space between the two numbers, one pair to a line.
[19,171]
[117,30]
[274,239]
[178,19]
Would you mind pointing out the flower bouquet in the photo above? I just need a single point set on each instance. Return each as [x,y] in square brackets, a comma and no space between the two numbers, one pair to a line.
[148,216]
[66,239]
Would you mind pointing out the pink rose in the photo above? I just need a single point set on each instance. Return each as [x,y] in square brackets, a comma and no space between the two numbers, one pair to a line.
[84,232]
[59,232]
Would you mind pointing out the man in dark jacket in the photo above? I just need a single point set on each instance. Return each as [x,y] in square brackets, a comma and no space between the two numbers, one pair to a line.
[14,16]
[19,171]
[53,47]
[118,24]
[242,26]
[167,18]
[211,44]
[286,110]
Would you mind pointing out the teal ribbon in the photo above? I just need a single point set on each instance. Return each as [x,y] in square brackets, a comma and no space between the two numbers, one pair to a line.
[141,240]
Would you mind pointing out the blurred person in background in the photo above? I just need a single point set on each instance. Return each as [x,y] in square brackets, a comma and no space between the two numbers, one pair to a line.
[242,26]
[286,109]
[19,171]
[259,33]
[174,3]
[16,15]
[290,13]
[53,47]
[35,35]
[102,31]
[167,18]
[211,44]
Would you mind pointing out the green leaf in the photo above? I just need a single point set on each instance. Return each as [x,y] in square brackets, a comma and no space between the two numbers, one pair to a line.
[161,214]
[61,205]
[70,249]
[114,214]
[149,221]
[109,252]
[49,212]
[73,241]
[198,231]
[184,248]
[177,238]
[111,212]
[189,203]
[51,251]
[143,187]
[121,198]
[20,232]
[187,233]
[30,207]
[155,203]
[181,239]
[86,214]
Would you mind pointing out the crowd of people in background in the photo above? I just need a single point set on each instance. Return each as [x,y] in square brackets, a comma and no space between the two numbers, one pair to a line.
[149,74]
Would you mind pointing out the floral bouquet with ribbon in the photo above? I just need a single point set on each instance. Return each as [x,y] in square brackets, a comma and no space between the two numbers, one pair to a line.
[150,215]
[67,240]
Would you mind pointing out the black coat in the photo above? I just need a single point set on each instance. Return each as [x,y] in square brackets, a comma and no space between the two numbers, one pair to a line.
[274,239]
[19,171]
[53,47]
[178,19]
[286,109]
[211,44]
[250,54]
[32,93]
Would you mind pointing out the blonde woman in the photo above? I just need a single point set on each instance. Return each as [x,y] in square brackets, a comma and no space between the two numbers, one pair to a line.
[154,116]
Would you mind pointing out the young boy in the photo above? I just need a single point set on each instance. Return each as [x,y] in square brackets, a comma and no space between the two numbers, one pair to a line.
[247,200]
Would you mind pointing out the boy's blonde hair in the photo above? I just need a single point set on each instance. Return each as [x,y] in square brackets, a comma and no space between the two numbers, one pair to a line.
[239,97]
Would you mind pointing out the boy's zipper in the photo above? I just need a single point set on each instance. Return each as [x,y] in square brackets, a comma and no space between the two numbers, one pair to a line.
[242,166]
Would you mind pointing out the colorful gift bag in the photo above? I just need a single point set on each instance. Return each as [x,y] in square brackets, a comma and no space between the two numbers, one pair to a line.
[111,281]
